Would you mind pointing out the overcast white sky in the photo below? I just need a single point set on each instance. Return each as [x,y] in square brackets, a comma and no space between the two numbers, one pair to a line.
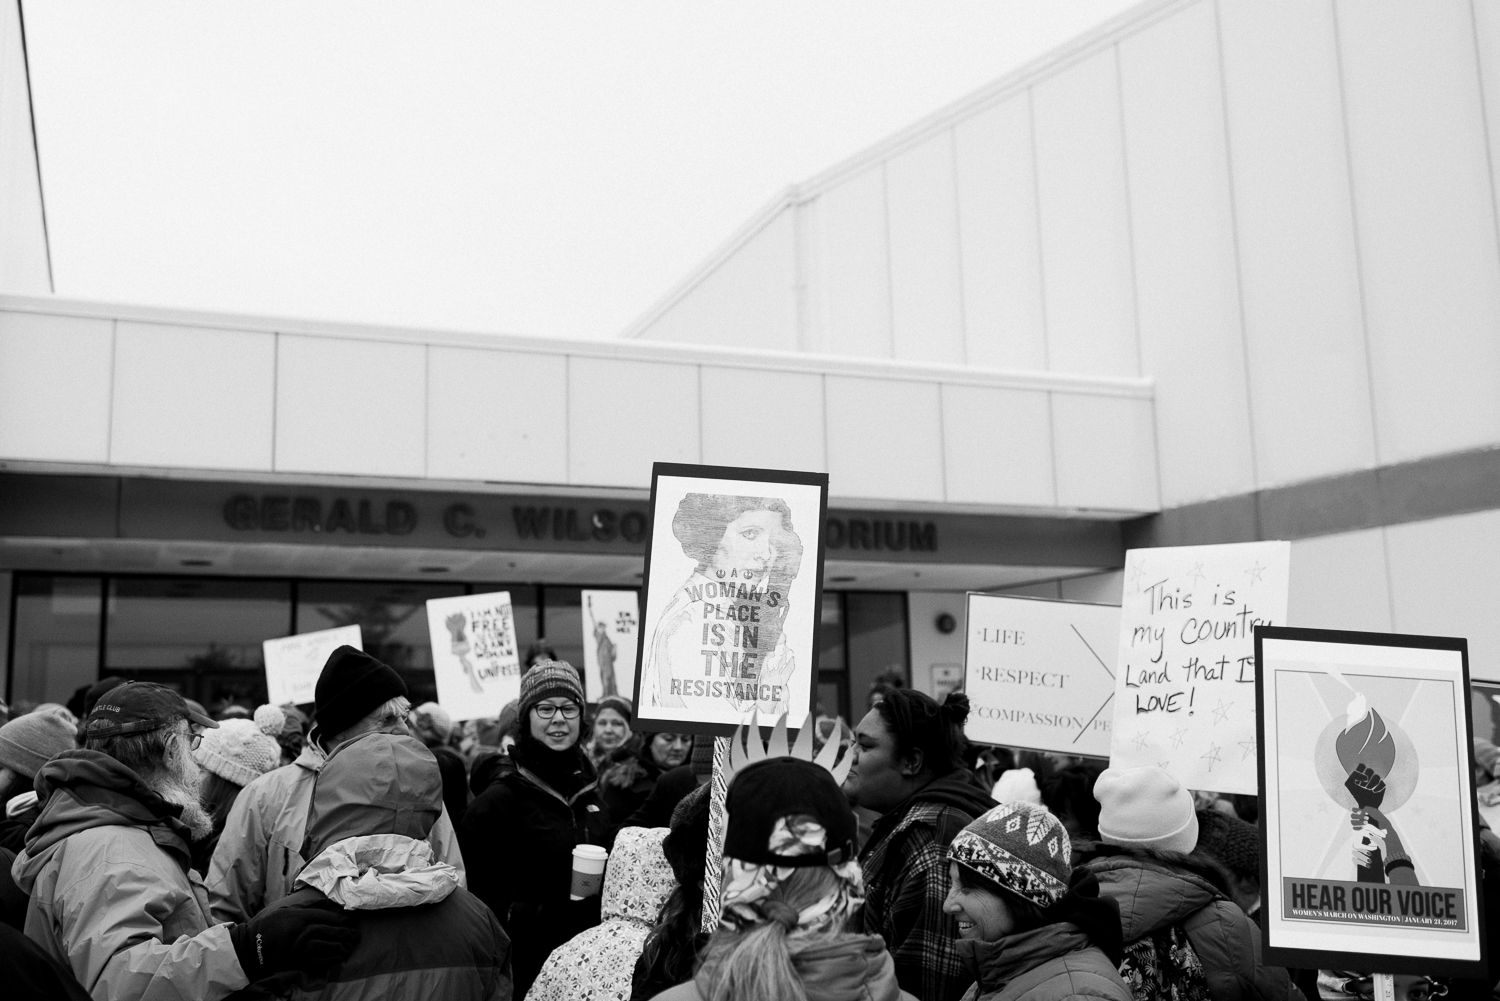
[539,168]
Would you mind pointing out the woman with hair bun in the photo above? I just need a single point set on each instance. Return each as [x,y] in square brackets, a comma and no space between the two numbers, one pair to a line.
[791,886]
[909,767]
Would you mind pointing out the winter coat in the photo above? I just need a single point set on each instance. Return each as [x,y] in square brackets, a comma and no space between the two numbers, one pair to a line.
[670,789]
[260,849]
[1055,962]
[905,865]
[15,825]
[519,836]
[597,964]
[455,782]
[628,776]
[849,968]
[112,894]
[1154,895]
[12,900]
[29,974]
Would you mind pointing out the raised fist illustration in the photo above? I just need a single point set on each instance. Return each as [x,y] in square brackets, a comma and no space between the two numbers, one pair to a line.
[1366,786]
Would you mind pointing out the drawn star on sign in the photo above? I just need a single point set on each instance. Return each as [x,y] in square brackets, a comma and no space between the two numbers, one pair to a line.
[1255,572]
[1249,746]
[1140,740]
[1136,573]
[1197,575]
[1222,710]
[1178,736]
[1211,756]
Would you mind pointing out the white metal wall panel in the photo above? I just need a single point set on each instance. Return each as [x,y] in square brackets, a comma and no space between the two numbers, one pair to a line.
[193,397]
[852,314]
[484,421]
[1091,326]
[997,445]
[1443,583]
[624,415]
[1341,582]
[23,238]
[1104,452]
[791,403]
[1426,225]
[1186,281]
[1309,376]
[55,376]
[1487,35]
[884,439]
[927,322]
[748,301]
[1002,257]
[350,406]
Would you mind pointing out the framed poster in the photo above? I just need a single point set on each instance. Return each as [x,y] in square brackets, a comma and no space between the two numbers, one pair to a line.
[611,633]
[474,659]
[1040,674]
[293,663]
[732,594]
[1369,847]
[1484,709]
[1185,685]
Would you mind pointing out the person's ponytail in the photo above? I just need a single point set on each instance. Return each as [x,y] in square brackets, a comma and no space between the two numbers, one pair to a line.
[754,963]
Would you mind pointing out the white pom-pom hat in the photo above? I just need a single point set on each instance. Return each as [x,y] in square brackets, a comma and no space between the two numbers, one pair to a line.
[239,750]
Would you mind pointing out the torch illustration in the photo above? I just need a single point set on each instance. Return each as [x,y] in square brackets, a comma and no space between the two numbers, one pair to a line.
[455,624]
[1367,751]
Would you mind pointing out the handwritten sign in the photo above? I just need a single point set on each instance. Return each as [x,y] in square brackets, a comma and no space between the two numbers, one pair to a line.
[293,663]
[1040,674]
[611,632]
[1185,685]
[474,657]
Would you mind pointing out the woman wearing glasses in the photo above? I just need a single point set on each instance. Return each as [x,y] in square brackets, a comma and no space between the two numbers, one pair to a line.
[518,836]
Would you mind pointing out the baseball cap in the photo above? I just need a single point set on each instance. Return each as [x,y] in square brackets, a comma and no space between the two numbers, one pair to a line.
[138,707]
[776,789]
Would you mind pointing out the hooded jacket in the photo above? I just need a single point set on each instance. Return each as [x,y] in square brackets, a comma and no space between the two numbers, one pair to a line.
[1153,895]
[848,968]
[520,834]
[905,865]
[597,964]
[260,850]
[1055,962]
[421,934]
[112,895]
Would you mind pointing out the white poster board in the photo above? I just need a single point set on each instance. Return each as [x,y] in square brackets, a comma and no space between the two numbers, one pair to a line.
[611,630]
[474,657]
[1185,682]
[293,663]
[1040,674]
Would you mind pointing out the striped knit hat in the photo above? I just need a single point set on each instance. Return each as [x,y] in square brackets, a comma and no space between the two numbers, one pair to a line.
[546,679]
[1021,847]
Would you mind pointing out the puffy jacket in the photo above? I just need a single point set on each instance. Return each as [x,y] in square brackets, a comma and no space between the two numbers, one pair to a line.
[905,864]
[1153,895]
[1052,963]
[597,964]
[626,779]
[848,968]
[421,935]
[519,836]
[260,850]
[112,895]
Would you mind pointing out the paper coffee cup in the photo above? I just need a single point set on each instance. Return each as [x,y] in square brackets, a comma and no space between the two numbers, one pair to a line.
[588,871]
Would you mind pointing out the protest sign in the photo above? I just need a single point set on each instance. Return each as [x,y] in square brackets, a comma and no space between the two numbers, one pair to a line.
[293,663]
[1369,845]
[732,594]
[1185,681]
[611,625]
[474,658]
[1039,673]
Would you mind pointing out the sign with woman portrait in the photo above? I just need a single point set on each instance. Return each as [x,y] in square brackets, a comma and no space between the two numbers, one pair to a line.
[1370,844]
[731,596]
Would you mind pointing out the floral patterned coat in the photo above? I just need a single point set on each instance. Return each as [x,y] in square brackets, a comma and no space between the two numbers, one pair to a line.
[597,964]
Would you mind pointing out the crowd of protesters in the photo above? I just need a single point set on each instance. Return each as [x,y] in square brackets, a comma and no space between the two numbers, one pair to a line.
[369,849]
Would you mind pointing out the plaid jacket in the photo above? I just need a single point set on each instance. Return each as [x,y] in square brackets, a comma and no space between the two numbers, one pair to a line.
[905,865]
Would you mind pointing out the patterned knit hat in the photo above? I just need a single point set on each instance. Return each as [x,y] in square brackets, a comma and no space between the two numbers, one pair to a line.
[546,679]
[239,750]
[1021,847]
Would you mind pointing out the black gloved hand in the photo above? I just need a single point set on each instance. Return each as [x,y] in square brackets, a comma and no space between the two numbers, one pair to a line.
[310,937]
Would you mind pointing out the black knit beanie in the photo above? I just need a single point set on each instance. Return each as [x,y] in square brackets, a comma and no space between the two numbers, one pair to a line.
[353,684]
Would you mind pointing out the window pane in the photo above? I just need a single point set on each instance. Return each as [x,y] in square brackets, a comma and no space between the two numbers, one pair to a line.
[200,636]
[831,633]
[392,619]
[563,625]
[877,642]
[56,637]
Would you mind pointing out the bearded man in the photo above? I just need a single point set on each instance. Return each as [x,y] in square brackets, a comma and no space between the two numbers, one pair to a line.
[107,866]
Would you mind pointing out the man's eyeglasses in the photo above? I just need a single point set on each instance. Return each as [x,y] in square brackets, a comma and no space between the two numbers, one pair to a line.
[195,737]
[547,710]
